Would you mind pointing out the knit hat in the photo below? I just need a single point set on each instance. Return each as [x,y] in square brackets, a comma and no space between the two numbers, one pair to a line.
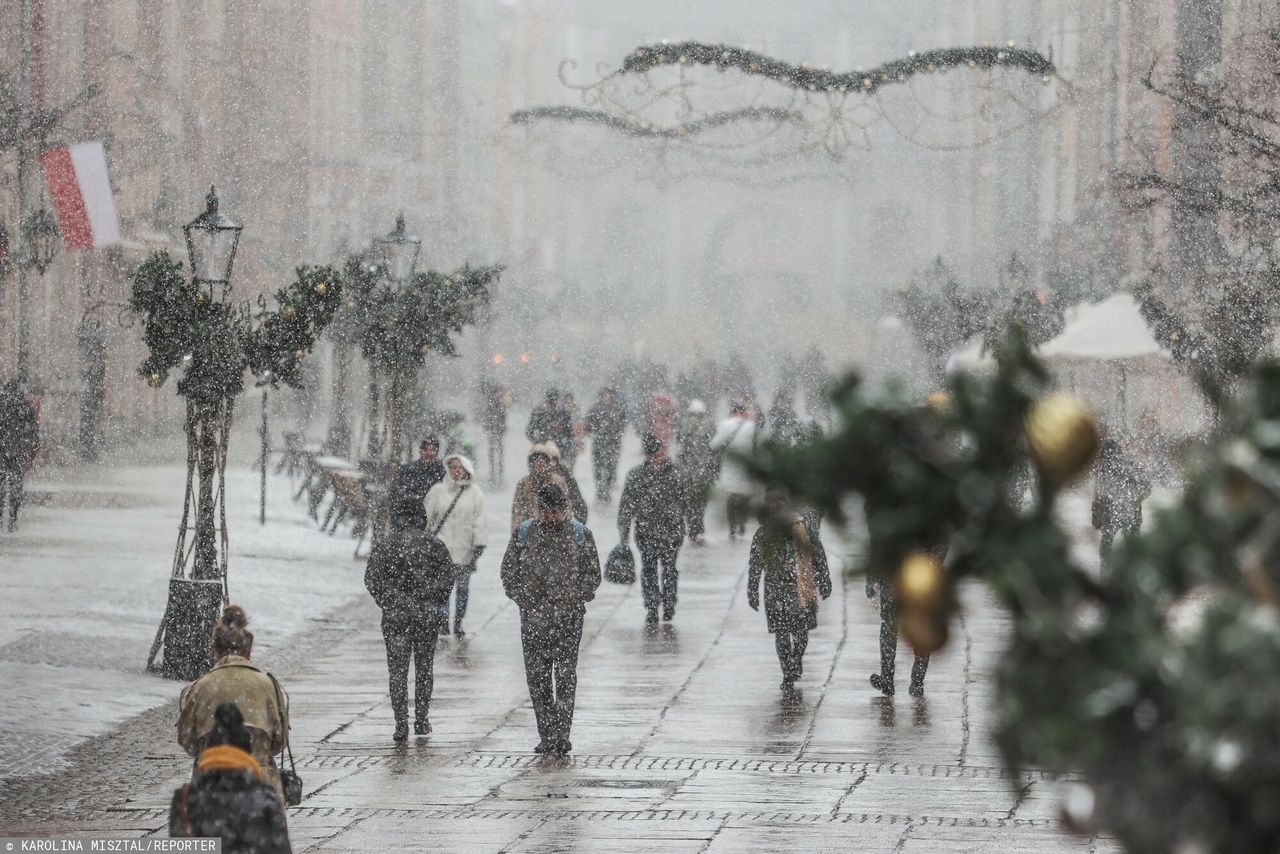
[551,497]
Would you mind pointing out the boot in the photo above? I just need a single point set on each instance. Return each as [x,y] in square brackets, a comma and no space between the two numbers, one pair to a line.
[422,727]
[402,731]
[882,684]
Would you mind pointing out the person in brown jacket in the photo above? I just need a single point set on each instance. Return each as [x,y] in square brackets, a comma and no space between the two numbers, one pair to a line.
[545,467]
[551,570]
[233,679]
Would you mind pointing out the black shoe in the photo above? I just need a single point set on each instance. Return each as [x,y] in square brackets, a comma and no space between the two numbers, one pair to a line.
[541,747]
[668,612]
[916,689]
[651,617]
[422,727]
[560,747]
[788,685]
[402,731]
[884,686]
[459,633]
[444,630]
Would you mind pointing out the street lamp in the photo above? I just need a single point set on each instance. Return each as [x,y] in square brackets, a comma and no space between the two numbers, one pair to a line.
[212,239]
[398,252]
[41,236]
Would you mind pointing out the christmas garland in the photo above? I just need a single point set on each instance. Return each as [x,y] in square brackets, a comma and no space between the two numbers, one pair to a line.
[214,343]
[1154,682]
[684,130]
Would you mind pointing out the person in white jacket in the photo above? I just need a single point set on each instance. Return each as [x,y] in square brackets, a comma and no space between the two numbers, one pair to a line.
[456,514]
[736,435]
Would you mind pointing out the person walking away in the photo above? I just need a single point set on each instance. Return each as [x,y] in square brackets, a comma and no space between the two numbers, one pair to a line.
[787,555]
[884,589]
[1120,487]
[577,429]
[495,401]
[263,704]
[544,468]
[228,797]
[549,422]
[19,441]
[699,464]
[736,435]
[606,421]
[784,425]
[551,570]
[456,514]
[653,499]
[661,417]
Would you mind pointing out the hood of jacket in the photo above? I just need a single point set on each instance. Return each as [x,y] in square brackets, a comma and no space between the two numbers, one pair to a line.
[467,466]
[547,449]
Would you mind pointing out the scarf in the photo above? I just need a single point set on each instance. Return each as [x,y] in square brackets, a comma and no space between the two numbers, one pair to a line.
[806,587]
[224,757]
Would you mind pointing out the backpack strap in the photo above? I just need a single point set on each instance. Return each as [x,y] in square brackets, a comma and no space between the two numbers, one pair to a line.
[522,533]
[579,533]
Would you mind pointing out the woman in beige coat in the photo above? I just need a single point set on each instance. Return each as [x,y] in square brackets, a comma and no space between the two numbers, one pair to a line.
[234,679]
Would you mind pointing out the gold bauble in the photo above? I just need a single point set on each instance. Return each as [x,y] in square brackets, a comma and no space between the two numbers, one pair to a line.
[1062,437]
[924,630]
[298,354]
[321,288]
[201,298]
[922,582]
[155,380]
[288,312]
[940,401]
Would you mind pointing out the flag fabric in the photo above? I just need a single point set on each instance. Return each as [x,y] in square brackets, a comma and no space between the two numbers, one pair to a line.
[76,177]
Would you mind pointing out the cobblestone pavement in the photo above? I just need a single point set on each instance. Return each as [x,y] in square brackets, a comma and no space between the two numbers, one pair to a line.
[683,741]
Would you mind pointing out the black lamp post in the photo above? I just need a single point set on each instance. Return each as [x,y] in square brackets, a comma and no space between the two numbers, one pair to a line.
[40,246]
[398,252]
[212,239]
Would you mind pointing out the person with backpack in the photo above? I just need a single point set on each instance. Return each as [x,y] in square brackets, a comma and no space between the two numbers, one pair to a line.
[653,498]
[229,796]
[736,436]
[456,514]
[545,467]
[410,575]
[551,570]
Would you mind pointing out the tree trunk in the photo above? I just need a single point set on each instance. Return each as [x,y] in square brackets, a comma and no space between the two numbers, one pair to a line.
[397,404]
[375,446]
[338,441]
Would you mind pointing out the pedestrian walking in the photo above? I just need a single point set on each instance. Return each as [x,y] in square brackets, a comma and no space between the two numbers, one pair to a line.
[19,441]
[885,591]
[661,417]
[545,467]
[263,704]
[606,421]
[415,479]
[653,499]
[550,422]
[410,575]
[784,424]
[787,555]
[1120,487]
[736,435]
[577,430]
[701,465]
[229,796]
[456,514]
[551,570]
[495,401]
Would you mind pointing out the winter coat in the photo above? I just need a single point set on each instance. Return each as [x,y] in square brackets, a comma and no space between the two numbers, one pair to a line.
[1120,487]
[784,425]
[414,480]
[410,575]
[524,503]
[234,679]
[699,463]
[551,574]
[606,422]
[466,526]
[19,430]
[775,549]
[235,805]
[735,435]
[654,498]
[547,424]
[493,413]
[661,418]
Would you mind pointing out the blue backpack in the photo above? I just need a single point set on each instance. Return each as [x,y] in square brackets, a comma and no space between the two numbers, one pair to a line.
[579,533]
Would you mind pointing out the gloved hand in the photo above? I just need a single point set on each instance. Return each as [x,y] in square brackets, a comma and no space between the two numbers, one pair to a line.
[479,551]
[754,602]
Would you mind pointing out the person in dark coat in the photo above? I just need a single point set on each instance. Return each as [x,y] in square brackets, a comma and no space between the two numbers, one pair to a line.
[606,421]
[19,441]
[410,575]
[789,558]
[552,422]
[228,796]
[883,681]
[701,466]
[653,498]
[1120,487]
[551,570]
[495,401]
[414,480]
[784,424]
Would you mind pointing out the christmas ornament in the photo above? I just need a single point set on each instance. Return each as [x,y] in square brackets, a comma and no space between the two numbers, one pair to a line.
[155,380]
[298,354]
[288,312]
[1062,437]
[321,288]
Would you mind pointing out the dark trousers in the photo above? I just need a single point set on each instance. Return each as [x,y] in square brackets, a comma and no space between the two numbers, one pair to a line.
[604,466]
[696,509]
[11,480]
[791,643]
[889,639]
[550,644]
[495,456]
[739,507]
[416,641]
[461,595]
[658,561]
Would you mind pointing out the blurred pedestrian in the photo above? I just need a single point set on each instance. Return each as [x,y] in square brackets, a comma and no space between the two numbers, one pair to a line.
[1120,487]
[415,479]
[410,575]
[885,591]
[228,796]
[551,570]
[263,704]
[736,436]
[653,498]
[700,465]
[606,421]
[550,422]
[495,401]
[456,514]
[787,555]
[661,418]
[19,441]
[784,425]
[544,468]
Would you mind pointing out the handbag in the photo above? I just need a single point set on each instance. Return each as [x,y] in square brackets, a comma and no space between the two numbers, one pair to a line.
[620,568]
[289,779]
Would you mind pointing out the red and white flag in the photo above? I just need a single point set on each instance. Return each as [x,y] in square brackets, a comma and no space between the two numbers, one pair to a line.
[77,180]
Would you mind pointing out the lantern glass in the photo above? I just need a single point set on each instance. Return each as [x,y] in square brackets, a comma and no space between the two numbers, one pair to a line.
[41,233]
[212,239]
[398,252]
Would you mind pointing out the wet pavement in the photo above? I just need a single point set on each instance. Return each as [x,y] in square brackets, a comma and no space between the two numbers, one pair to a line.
[682,739]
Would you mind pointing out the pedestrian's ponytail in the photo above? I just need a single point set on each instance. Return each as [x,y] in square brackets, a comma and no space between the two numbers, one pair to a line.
[231,635]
